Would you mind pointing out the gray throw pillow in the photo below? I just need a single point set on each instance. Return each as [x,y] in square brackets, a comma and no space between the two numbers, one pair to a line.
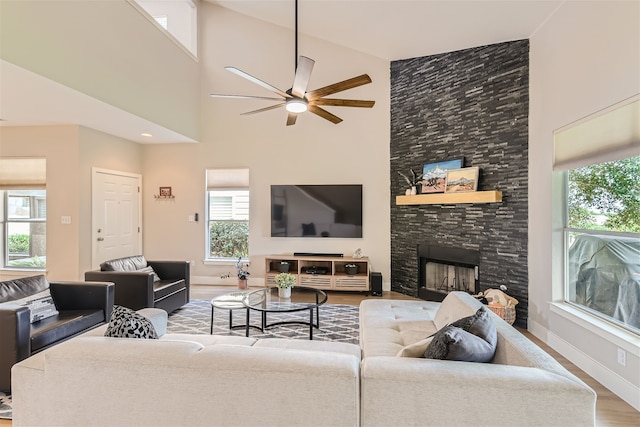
[479,324]
[126,323]
[470,339]
[453,343]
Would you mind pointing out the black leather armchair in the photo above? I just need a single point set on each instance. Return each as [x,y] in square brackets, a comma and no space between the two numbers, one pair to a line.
[81,307]
[165,285]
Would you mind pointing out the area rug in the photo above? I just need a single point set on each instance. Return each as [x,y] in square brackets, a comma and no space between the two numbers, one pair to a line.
[5,406]
[338,322]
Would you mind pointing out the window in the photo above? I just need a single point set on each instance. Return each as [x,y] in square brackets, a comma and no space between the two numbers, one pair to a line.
[602,240]
[25,228]
[598,160]
[179,18]
[227,214]
[23,213]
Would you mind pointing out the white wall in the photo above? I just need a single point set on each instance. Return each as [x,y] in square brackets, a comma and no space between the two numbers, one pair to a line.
[314,151]
[583,59]
[108,50]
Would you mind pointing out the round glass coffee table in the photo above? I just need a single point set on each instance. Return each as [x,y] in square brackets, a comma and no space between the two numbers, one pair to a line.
[266,300]
[231,301]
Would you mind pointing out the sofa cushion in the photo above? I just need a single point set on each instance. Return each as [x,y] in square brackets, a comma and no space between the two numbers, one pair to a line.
[416,349]
[479,324]
[130,263]
[40,305]
[453,343]
[455,305]
[11,290]
[62,326]
[126,323]
[163,288]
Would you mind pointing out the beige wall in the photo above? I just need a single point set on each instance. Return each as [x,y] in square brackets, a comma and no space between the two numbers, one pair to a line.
[71,151]
[575,71]
[59,145]
[314,151]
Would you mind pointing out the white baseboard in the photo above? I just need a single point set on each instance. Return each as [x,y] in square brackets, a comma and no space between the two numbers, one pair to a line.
[605,376]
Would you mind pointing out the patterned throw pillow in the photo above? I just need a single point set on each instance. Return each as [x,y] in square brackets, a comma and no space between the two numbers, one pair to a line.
[126,323]
[41,305]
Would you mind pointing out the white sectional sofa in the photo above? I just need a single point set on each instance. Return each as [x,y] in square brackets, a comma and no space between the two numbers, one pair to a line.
[523,386]
[192,380]
[188,380]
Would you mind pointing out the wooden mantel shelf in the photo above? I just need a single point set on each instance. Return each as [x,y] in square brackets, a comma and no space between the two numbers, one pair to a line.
[493,196]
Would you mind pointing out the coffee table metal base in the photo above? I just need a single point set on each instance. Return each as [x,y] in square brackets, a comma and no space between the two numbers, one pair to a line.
[230,302]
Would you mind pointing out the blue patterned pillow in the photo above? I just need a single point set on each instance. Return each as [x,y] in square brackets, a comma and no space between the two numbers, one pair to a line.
[126,323]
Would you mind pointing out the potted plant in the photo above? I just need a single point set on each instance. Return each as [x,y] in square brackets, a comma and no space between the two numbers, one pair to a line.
[351,269]
[242,273]
[285,282]
[415,182]
[283,267]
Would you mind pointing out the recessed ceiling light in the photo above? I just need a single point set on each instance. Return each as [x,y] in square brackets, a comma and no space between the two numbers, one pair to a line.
[148,135]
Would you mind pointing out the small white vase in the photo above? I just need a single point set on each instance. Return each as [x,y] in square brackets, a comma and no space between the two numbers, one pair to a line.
[414,191]
[284,292]
[407,192]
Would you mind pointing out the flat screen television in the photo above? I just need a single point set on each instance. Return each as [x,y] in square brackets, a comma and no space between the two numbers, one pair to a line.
[316,211]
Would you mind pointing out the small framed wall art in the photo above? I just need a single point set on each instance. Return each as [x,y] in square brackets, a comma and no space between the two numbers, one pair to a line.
[462,180]
[165,192]
[435,175]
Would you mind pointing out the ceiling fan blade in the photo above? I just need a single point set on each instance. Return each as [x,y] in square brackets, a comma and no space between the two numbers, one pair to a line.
[267,98]
[303,74]
[344,102]
[339,87]
[325,114]
[291,119]
[271,107]
[258,81]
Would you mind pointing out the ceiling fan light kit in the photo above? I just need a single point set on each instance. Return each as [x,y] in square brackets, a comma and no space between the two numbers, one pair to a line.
[296,105]
[297,100]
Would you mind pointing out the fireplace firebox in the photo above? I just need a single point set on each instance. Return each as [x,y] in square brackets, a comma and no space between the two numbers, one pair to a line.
[442,270]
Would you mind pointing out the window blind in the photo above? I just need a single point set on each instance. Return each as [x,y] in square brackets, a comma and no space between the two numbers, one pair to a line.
[227,179]
[23,173]
[611,134]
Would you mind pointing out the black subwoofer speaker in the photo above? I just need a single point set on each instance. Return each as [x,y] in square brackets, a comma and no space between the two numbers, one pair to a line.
[375,281]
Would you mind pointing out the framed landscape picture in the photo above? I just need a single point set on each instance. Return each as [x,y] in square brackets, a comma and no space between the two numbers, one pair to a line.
[462,180]
[435,175]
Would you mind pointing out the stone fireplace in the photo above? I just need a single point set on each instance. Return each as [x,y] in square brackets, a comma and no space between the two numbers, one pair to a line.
[471,104]
[442,270]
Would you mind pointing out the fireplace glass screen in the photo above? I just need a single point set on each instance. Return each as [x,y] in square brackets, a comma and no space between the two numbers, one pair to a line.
[447,278]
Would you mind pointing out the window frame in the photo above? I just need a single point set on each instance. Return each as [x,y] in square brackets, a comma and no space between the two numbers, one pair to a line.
[566,231]
[224,260]
[6,221]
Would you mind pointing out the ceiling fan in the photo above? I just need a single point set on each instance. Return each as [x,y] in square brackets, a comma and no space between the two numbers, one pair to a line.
[297,99]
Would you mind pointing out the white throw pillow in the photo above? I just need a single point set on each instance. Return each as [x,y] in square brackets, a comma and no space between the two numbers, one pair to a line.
[41,305]
[416,349]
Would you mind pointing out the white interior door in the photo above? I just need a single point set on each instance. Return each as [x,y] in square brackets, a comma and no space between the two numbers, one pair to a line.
[117,220]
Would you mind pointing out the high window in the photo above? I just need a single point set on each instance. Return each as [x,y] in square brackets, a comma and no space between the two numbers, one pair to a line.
[227,214]
[23,213]
[602,215]
[179,18]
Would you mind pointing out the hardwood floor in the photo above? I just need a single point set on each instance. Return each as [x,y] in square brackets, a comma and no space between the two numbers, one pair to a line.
[611,411]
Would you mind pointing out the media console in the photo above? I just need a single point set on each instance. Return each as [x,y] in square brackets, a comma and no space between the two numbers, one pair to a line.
[321,271]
